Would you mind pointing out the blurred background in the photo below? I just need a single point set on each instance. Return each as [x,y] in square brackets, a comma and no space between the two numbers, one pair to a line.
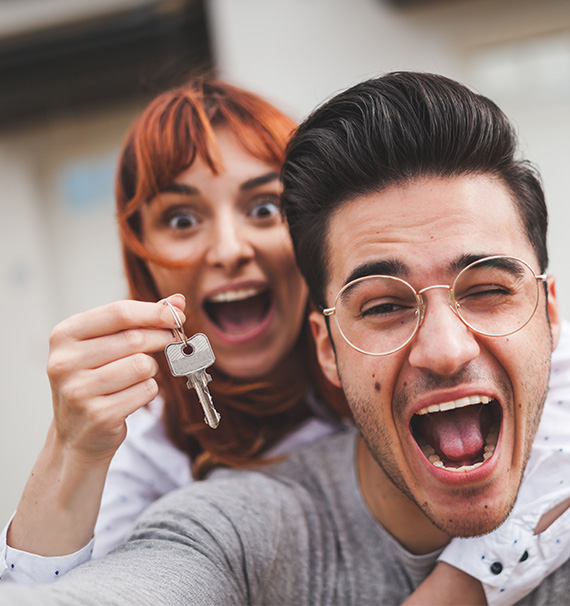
[73,75]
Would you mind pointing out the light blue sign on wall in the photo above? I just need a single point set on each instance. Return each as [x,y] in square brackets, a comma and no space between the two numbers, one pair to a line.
[87,184]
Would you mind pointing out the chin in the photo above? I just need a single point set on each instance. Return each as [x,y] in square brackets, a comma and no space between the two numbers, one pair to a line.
[247,369]
[477,515]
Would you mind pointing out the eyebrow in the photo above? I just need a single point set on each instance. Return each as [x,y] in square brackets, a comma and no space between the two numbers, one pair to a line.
[464,260]
[398,269]
[190,190]
[180,188]
[386,267]
[257,181]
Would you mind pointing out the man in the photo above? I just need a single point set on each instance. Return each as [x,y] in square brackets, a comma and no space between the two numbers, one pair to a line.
[421,200]
[422,239]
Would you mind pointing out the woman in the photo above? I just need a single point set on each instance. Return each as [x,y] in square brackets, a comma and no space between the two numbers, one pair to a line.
[198,206]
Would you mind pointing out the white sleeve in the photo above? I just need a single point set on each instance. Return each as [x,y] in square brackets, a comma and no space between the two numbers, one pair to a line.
[145,467]
[28,568]
[511,561]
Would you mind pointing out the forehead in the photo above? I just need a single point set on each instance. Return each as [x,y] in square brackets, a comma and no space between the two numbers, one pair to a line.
[425,225]
[233,162]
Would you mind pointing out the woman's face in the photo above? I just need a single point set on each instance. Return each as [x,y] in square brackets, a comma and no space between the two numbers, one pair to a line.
[241,283]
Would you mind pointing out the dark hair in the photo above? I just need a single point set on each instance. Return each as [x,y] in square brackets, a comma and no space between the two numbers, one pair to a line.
[391,130]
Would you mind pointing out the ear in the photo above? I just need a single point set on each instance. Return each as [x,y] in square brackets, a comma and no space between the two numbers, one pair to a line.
[553,311]
[324,347]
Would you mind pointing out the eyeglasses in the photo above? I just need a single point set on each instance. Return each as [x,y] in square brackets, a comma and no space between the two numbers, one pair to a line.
[494,296]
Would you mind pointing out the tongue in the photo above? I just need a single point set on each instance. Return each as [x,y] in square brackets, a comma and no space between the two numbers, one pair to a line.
[457,433]
[239,316]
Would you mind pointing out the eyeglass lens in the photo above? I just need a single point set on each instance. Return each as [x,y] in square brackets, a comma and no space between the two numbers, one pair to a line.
[495,297]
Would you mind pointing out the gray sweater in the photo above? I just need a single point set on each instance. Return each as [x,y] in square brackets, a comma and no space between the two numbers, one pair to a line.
[295,533]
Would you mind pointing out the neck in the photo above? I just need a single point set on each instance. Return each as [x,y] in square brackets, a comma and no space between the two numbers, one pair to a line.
[398,514]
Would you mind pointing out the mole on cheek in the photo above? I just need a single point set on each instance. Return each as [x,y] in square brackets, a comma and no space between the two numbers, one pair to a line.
[377,386]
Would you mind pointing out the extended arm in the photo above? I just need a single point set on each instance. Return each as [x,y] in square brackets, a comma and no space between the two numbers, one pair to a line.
[182,552]
[100,372]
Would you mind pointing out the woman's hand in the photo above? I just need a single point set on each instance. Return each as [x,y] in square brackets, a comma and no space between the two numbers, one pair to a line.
[101,371]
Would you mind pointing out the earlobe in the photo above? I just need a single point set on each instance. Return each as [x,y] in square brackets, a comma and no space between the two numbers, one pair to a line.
[553,311]
[324,347]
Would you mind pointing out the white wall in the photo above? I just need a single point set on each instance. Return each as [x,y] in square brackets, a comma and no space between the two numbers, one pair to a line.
[58,245]
[59,255]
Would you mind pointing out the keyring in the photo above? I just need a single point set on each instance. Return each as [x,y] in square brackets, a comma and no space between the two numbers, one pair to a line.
[179,326]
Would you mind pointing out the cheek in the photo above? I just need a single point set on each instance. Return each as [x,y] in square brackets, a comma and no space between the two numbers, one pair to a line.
[365,380]
[285,272]
[275,245]
[525,357]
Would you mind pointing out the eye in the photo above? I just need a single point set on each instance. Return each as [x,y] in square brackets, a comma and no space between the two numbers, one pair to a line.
[486,290]
[383,309]
[181,220]
[265,207]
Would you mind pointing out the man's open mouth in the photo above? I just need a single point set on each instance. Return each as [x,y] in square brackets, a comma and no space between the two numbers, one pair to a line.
[459,435]
[240,311]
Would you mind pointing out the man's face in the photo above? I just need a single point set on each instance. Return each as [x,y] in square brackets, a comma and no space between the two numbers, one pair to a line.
[426,227]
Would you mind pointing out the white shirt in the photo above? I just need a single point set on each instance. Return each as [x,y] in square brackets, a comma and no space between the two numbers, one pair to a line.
[148,466]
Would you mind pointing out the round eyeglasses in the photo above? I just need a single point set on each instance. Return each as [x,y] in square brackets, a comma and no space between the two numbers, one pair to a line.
[494,296]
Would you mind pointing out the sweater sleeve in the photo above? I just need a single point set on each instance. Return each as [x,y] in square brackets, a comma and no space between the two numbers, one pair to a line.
[191,547]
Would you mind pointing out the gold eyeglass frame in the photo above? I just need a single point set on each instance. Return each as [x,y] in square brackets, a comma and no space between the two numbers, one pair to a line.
[421,305]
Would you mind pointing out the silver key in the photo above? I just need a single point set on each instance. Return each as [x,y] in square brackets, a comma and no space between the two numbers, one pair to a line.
[190,359]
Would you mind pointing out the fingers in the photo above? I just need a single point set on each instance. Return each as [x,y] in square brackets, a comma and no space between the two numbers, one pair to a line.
[101,371]
[126,401]
[110,378]
[95,428]
[118,316]
[97,352]
[116,331]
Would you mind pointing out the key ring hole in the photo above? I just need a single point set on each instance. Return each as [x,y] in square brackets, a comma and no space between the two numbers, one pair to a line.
[187,350]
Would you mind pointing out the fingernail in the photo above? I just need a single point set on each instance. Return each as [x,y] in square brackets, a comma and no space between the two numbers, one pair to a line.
[175,297]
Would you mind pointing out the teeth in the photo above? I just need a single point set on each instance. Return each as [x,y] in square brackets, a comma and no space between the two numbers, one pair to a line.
[460,403]
[464,468]
[229,296]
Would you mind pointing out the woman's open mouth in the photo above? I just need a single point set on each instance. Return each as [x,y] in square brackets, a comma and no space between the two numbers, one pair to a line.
[459,435]
[241,311]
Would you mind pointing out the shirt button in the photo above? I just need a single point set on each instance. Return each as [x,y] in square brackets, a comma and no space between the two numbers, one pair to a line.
[524,556]
[496,568]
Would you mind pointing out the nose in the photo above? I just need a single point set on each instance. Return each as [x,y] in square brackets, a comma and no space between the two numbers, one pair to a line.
[443,344]
[230,247]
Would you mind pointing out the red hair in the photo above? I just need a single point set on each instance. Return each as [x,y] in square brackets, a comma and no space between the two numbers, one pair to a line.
[175,129]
